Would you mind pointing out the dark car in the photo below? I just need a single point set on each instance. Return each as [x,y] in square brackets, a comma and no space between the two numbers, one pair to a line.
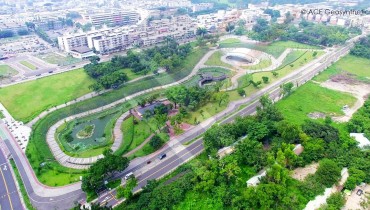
[50,72]
[37,75]
[162,156]
[73,66]
[148,162]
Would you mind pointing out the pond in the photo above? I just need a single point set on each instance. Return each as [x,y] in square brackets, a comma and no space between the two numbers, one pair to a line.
[84,134]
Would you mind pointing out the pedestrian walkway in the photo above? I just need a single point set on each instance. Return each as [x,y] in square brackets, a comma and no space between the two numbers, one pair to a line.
[83,163]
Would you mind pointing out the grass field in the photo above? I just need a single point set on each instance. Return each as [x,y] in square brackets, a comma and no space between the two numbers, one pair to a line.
[26,100]
[215,60]
[264,63]
[28,65]
[54,58]
[147,149]
[38,150]
[299,58]
[135,134]
[350,64]
[311,97]
[275,49]
[6,70]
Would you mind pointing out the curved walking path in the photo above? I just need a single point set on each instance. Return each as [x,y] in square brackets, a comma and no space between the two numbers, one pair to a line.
[82,163]
[75,162]
[82,98]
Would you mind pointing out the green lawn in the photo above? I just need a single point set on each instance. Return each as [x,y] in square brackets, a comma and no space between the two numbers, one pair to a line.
[26,100]
[285,69]
[135,133]
[311,97]
[275,49]
[147,149]
[208,110]
[264,63]
[38,151]
[230,41]
[215,60]
[350,64]
[28,65]
[54,58]
[6,70]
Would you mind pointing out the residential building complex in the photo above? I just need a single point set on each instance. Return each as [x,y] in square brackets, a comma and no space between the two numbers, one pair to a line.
[108,40]
[114,18]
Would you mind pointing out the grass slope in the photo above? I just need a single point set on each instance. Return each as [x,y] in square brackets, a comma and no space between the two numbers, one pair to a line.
[351,64]
[215,60]
[311,97]
[38,150]
[26,100]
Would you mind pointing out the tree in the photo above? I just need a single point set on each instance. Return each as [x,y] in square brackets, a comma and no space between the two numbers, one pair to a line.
[94,59]
[130,185]
[241,92]
[314,54]
[328,172]
[265,79]
[318,130]
[251,153]
[287,88]
[289,132]
[102,169]
[275,73]
[155,142]
[229,27]
[201,31]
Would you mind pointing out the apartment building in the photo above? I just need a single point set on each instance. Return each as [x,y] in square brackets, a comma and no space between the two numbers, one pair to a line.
[109,40]
[114,18]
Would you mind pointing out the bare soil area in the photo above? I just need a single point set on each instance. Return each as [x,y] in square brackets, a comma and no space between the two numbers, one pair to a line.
[301,173]
[346,83]
[354,201]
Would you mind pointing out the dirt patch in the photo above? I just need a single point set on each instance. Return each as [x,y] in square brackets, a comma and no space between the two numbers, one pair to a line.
[353,201]
[346,78]
[301,173]
[346,84]
[316,115]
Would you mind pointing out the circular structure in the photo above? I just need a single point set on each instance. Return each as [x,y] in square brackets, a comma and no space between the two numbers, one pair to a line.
[242,57]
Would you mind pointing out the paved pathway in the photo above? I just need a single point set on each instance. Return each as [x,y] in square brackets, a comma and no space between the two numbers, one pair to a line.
[82,98]
[83,163]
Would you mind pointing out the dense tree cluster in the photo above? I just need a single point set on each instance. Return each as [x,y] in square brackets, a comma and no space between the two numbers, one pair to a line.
[111,75]
[360,122]
[222,181]
[307,33]
[103,169]
[362,48]
[191,98]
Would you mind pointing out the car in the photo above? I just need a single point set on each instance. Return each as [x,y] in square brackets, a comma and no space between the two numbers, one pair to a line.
[129,175]
[148,162]
[50,72]
[37,75]
[161,156]
[73,66]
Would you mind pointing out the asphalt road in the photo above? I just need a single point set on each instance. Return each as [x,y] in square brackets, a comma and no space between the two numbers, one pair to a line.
[9,195]
[65,201]
[171,162]
[298,78]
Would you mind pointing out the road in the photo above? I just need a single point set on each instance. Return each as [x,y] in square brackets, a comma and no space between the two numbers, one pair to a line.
[9,195]
[298,78]
[64,199]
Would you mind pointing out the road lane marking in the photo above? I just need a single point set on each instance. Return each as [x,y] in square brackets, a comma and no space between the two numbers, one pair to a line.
[170,163]
[6,188]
